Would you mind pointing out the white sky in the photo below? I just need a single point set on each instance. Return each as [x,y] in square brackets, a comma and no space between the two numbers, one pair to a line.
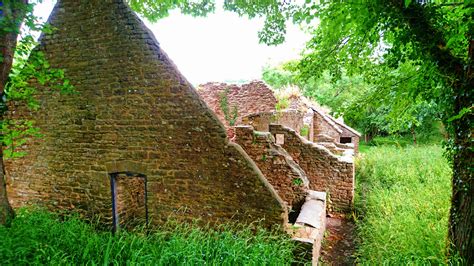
[219,47]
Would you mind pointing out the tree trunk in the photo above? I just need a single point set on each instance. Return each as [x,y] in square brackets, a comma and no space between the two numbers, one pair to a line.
[413,133]
[461,220]
[6,211]
[431,42]
[14,12]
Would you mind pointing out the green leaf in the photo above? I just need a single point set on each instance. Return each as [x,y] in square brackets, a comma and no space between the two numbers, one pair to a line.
[461,114]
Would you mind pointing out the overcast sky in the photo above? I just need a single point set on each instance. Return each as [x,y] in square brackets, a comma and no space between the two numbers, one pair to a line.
[219,47]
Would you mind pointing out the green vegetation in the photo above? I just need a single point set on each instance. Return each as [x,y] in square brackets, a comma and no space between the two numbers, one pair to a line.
[282,104]
[304,131]
[38,238]
[229,115]
[297,181]
[410,65]
[402,201]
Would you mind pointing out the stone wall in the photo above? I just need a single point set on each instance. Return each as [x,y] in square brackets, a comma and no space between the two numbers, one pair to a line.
[130,200]
[325,126]
[259,121]
[325,171]
[287,177]
[133,112]
[250,98]
[293,119]
[354,138]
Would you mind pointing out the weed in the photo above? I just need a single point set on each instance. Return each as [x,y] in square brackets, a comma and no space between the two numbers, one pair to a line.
[402,204]
[230,115]
[304,131]
[39,237]
[297,181]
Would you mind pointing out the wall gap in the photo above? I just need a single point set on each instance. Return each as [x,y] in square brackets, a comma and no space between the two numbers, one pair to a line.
[345,140]
[129,200]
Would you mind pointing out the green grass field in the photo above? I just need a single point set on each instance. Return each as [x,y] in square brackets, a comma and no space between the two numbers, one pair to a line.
[402,205]
[39,238]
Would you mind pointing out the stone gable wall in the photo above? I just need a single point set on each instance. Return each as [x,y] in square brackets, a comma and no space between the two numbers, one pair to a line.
[322,127]
[253,97]
[325,171]
[354,137]
[287,177]
[133,112]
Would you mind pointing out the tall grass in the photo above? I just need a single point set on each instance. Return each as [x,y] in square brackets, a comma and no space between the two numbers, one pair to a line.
[38,237]
[403,199]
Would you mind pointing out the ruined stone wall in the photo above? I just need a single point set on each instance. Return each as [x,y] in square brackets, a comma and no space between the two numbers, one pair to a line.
[290,118]
[135,112]
[322,127]
[354,137]
[259,121]
[325,171]
[287,177]
[293,119]
[250,98]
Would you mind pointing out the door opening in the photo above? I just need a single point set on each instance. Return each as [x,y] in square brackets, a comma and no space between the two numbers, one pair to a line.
[129,200]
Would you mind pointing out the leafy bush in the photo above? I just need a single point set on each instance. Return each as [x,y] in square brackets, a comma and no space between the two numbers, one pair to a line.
[403,199]
[304,131]
[38,237]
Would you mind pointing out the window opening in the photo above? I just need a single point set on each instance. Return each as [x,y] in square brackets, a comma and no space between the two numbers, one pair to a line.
[345,140]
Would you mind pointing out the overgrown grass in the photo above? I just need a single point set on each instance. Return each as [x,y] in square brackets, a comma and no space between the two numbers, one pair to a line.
[38,237]
[403,199]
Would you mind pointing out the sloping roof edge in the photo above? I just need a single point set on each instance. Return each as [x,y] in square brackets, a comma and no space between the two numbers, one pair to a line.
[330,121]
[336,123]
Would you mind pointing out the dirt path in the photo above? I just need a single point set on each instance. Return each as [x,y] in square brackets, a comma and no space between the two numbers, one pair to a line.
[338,246]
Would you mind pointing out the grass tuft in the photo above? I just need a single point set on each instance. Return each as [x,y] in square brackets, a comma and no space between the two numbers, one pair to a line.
[38,238]
[403,199]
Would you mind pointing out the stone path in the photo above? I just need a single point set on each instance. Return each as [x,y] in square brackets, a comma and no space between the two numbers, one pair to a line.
[338,246]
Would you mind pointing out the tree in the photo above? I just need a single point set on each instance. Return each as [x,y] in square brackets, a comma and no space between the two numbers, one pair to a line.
[377,38]
[373,37]
[437,39]
[21,62]
[11,17]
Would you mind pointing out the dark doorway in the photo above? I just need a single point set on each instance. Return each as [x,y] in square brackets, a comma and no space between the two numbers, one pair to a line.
[345,140]
[129,200]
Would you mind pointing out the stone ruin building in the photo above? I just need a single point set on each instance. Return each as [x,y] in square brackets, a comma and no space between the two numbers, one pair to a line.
[328,129]
[301,150]
[327,163]
[135,132]
[250,98]
[255,104]
[138,143]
